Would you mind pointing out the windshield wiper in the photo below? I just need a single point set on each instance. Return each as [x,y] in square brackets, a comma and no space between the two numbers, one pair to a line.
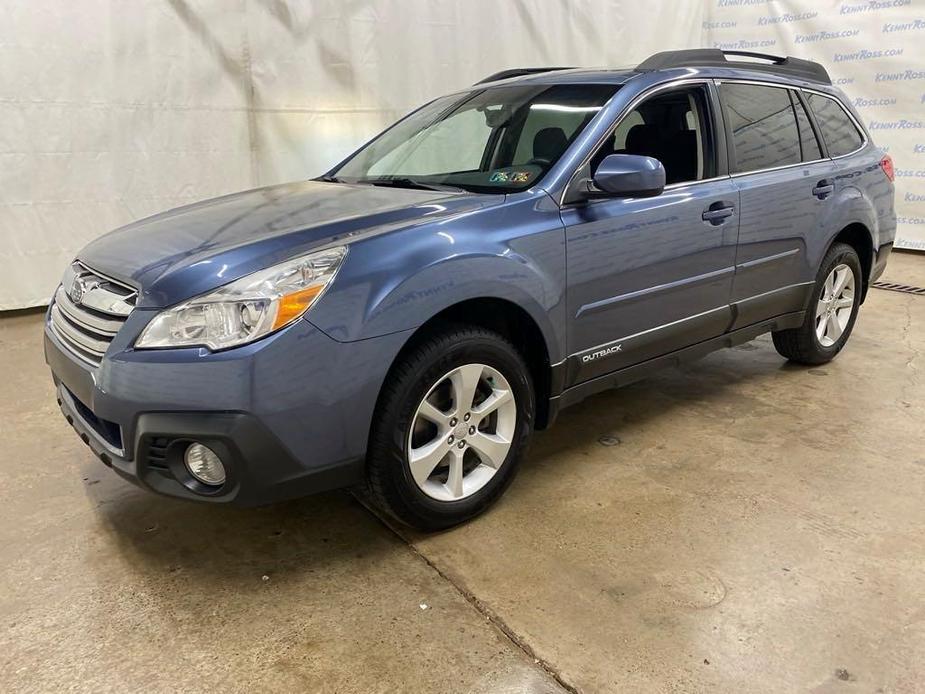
[405,182]
[331,179]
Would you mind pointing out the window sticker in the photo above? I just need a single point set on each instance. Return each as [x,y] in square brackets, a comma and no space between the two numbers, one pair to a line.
[510,177]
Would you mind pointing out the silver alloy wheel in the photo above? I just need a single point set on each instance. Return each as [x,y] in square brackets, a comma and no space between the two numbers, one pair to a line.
[461,432]
[836,304]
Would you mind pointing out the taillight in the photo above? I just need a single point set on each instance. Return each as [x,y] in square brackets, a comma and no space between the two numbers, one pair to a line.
[887,165]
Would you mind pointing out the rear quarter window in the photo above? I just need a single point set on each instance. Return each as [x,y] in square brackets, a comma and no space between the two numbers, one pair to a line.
[838,130]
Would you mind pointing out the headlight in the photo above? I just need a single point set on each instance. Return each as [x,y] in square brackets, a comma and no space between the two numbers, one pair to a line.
[248,308]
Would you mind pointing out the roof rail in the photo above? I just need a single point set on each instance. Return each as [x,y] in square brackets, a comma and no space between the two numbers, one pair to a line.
[519,72]
[714,57]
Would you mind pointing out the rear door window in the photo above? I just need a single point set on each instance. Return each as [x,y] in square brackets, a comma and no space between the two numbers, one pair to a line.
[763,124]
[838,130]
[808,141]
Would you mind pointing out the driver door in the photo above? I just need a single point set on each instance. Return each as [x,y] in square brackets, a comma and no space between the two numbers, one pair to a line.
[647,276]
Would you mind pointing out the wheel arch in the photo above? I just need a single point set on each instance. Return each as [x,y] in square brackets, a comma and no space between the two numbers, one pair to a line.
[859,237]
[506,318]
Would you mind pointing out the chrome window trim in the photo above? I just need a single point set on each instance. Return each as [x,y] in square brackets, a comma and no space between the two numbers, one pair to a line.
[687,184]
[623,114]
[779,168]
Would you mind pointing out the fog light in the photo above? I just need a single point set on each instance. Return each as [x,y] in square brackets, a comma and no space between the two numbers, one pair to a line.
[204,465]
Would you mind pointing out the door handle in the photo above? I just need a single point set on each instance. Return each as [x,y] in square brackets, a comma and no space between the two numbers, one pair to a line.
[823,189]
[718,212]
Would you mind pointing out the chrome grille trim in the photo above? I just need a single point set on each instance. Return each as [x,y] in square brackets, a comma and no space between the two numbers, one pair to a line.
[107,302]
[74,334]
[86,326]
[85,319]
[104,294]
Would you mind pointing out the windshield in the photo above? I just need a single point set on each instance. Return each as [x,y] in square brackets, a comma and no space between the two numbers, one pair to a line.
[497,140]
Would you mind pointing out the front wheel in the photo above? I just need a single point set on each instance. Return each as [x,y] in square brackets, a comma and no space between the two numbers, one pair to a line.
[832,311]
[454,419]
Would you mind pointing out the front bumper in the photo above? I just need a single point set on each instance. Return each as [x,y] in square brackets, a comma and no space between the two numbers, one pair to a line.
[288,415]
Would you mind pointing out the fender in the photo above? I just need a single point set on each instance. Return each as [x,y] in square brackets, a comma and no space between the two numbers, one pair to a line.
[514,251]
[851,205]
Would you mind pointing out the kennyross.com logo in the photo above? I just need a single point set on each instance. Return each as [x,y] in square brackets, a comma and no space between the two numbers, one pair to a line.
[861,102]
[719,24]
[786,18]
[915,24]
[872,6]
[826,35]
[902,75]
[901,124]
[865,54]
[744,44]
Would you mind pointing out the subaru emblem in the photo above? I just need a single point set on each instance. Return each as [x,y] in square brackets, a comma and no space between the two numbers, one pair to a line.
[77,290]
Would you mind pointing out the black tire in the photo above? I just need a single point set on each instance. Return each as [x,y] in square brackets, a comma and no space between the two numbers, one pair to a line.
[390,486]
[801,345]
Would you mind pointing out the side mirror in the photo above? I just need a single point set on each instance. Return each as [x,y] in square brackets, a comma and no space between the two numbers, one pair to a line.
[628,175]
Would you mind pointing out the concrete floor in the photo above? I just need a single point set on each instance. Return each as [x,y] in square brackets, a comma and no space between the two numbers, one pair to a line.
[736,525]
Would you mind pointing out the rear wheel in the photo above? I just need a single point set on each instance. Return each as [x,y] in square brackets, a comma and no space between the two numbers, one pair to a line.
[454,420]
[832,311]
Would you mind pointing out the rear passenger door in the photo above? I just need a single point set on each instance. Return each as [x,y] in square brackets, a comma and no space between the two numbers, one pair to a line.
[785,185]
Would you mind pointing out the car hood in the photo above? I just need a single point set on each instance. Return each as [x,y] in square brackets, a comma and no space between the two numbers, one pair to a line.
[185,252]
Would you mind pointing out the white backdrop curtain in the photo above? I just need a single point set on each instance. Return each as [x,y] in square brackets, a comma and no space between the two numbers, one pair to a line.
[873,49]
[111,110]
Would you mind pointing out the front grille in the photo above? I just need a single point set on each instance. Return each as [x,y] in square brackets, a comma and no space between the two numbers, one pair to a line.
[87,311]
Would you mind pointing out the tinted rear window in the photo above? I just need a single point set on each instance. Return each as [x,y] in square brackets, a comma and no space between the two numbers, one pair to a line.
[838,130]
[764,127]
[811,150]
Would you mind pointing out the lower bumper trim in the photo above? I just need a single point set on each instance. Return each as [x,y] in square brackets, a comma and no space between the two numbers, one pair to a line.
[260,469]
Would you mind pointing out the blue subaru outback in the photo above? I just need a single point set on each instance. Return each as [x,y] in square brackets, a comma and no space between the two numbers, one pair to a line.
[404,322]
